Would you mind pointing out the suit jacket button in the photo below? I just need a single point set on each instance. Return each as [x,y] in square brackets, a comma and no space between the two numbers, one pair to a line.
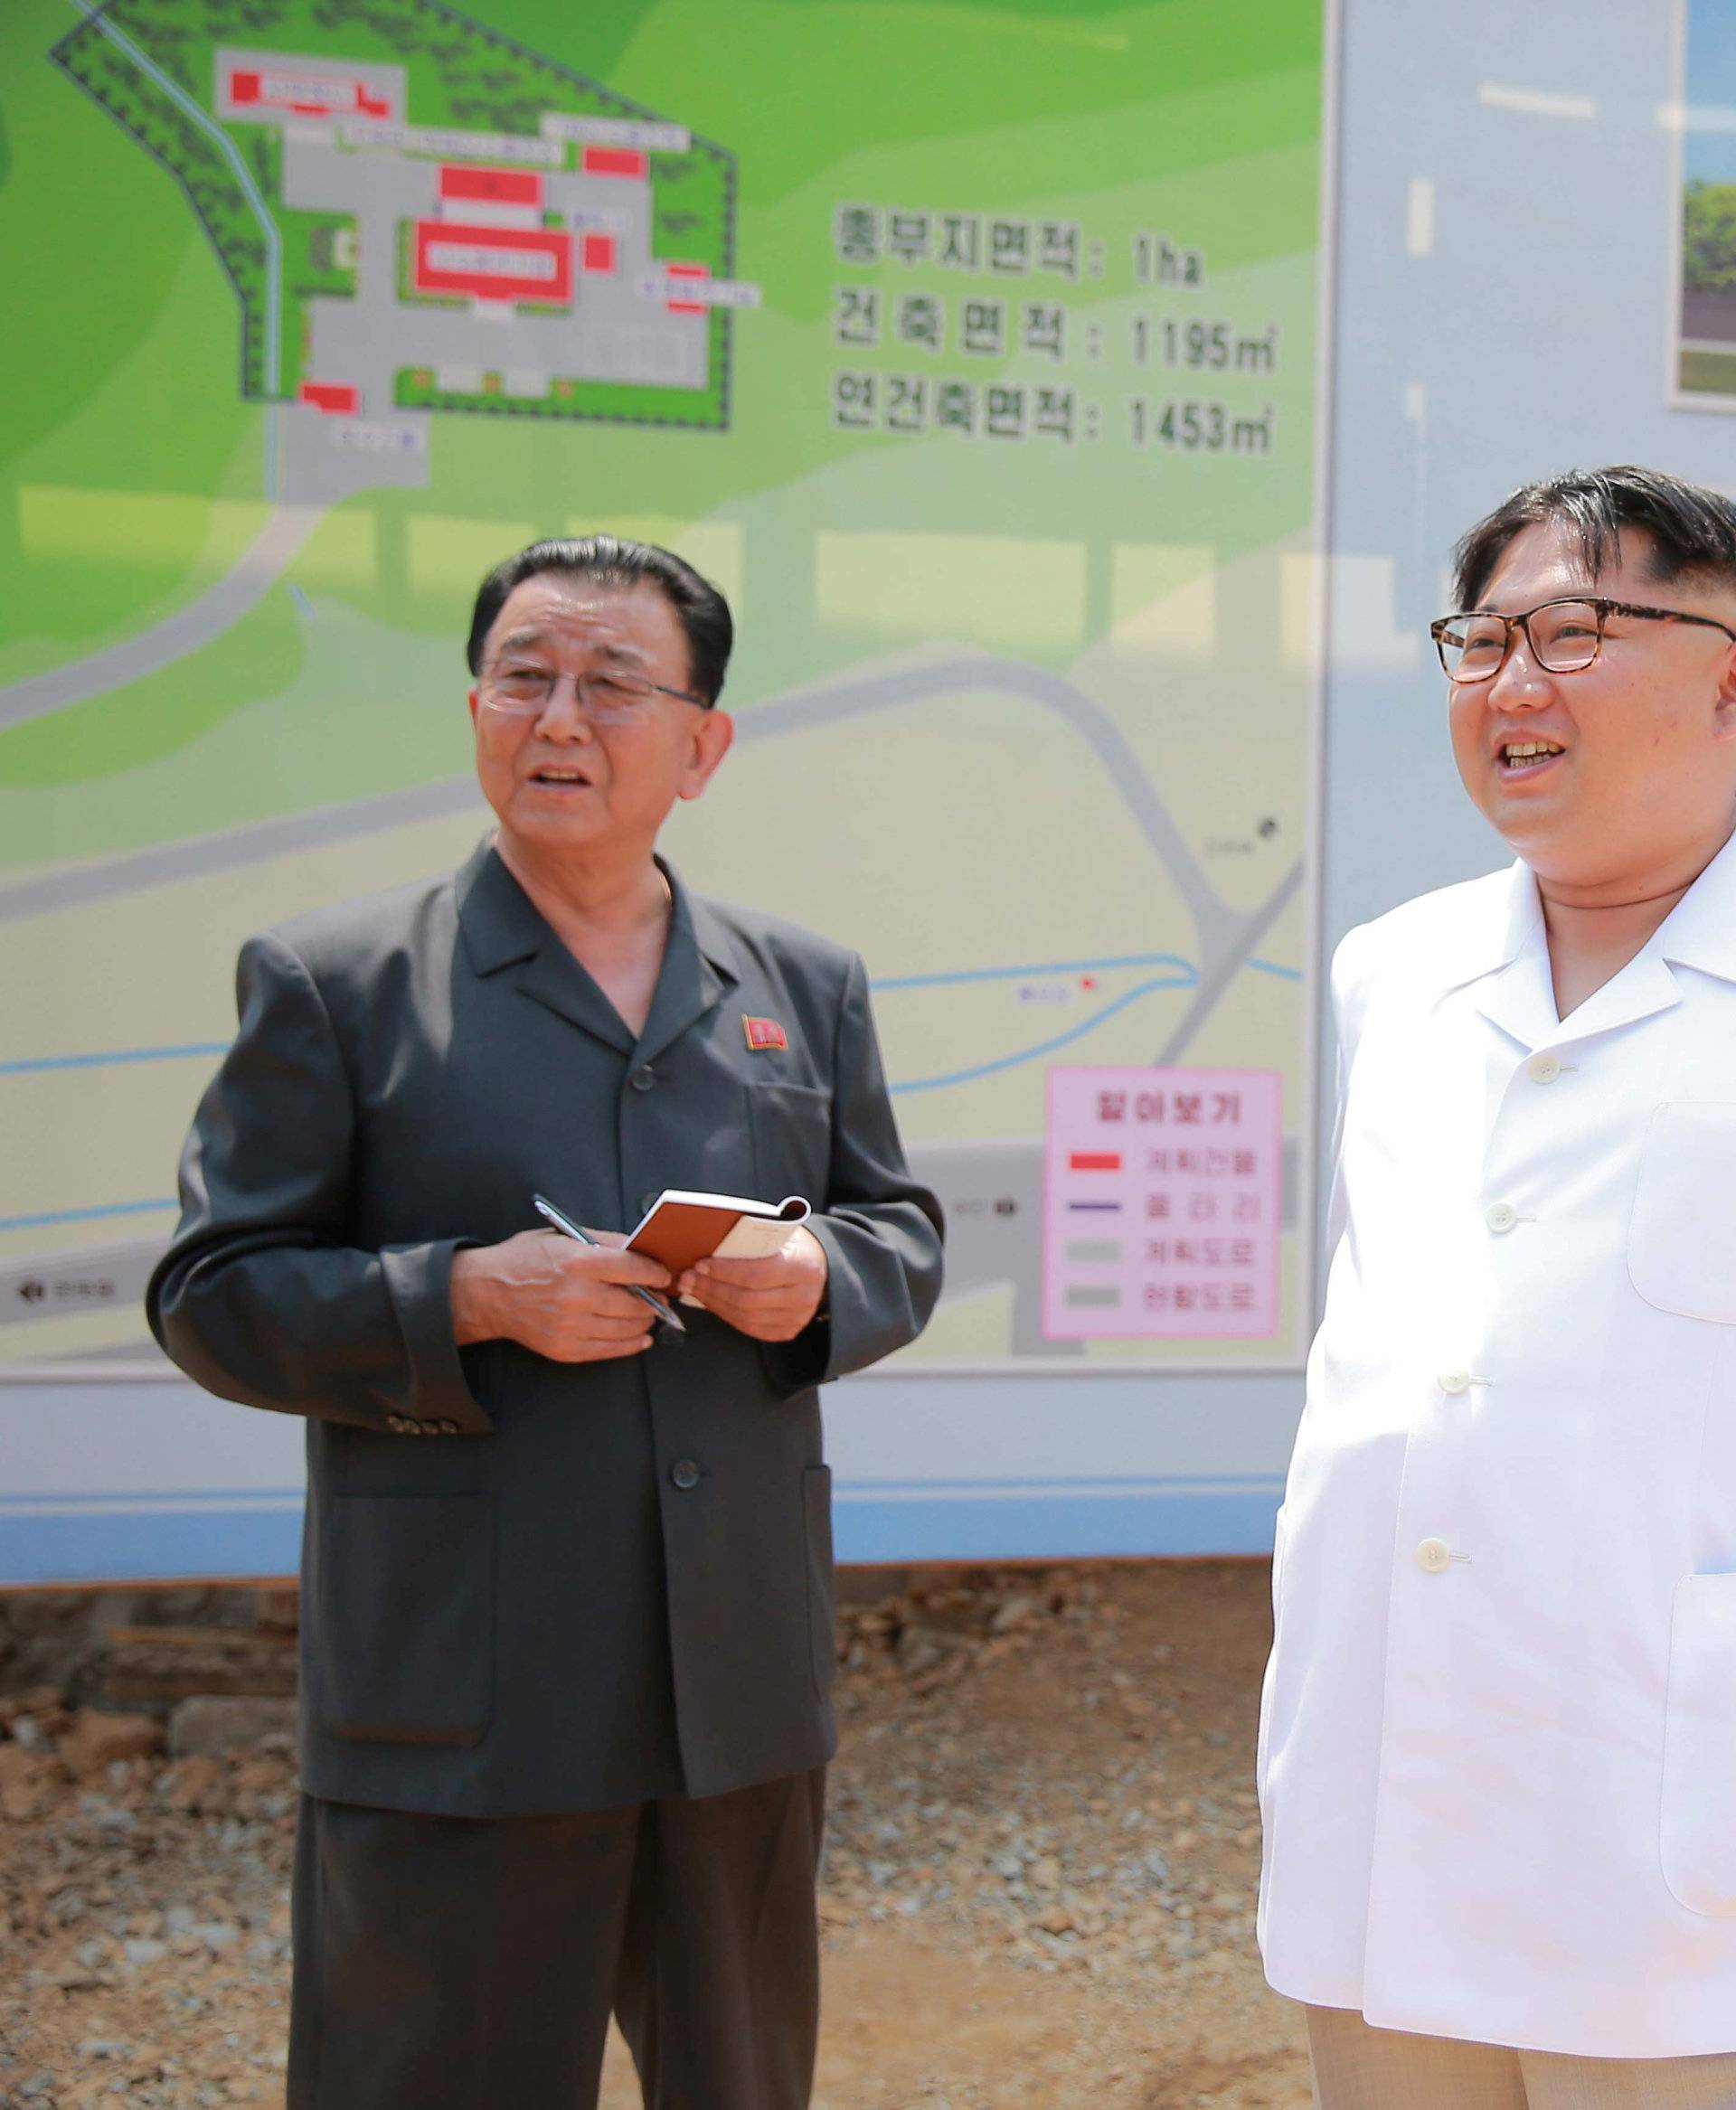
[684,1473]
[642,1078]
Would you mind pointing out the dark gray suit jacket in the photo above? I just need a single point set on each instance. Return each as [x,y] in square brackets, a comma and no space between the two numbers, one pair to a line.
[531,1585]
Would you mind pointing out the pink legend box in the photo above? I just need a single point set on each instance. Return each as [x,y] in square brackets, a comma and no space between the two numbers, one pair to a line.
[1161,1195]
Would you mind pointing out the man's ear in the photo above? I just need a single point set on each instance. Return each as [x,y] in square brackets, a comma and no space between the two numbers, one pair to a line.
[1723,706]
[476,705]
[712,738]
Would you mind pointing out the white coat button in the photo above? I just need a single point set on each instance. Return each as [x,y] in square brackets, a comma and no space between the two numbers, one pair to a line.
[1433,1555]
[1500,1216]
[1454,1381]
[1544,1069]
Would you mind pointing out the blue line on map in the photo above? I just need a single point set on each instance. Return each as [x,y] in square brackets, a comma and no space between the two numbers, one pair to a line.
[52,1216]
[958,974]
[1045,1483]
[28,1065]
[952,977]
[302,602]
[207,1050]
[1042,1048]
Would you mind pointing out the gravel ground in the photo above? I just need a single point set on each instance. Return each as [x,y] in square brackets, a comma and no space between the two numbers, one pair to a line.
[1039,1886]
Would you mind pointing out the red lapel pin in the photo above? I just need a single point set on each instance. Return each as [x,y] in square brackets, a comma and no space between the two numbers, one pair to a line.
[763,1033]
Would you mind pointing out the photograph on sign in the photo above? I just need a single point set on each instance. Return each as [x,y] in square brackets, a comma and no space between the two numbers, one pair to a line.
[1703,353]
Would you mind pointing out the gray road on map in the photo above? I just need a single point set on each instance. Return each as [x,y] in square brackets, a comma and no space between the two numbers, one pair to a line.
[198,856]
[60,1286]
[1227,937]
[237,594]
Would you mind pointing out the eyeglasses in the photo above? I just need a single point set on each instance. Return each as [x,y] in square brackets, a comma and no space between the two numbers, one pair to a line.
[519,689]
[1563,638]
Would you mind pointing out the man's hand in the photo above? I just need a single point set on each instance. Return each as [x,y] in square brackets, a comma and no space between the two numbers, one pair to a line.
[771,1299]
[566,1301]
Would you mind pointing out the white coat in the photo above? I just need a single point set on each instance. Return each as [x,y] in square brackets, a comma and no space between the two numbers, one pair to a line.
[1498,1753]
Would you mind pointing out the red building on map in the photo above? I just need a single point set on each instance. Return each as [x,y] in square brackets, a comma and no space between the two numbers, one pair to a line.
[491,186]
[493,263]
[304,94]
[631,162]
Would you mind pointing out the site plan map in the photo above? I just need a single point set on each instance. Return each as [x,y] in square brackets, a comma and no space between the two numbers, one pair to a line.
[972,351]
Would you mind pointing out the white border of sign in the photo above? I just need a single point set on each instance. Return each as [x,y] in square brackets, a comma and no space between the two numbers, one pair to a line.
[1147,1473]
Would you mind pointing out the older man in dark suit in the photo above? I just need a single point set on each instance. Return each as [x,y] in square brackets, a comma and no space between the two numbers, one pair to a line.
[567,1574]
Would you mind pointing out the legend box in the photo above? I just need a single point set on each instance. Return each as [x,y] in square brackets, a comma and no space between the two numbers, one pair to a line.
[1161,1204]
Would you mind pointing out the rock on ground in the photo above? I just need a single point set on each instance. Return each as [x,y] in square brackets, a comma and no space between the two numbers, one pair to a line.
[221,1724]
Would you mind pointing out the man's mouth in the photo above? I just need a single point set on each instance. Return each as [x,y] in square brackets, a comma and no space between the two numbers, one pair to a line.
[1525,757]
[555,774]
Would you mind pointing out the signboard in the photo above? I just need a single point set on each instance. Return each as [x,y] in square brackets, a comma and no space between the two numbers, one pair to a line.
[972,351]
[993,411]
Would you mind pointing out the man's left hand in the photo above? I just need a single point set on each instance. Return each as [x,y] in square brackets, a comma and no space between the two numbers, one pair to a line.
[771,1299]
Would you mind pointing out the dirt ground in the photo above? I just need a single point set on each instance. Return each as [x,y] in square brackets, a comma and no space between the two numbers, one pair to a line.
[1039,1887]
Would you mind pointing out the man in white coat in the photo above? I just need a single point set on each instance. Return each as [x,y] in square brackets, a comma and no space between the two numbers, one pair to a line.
[1498,1736]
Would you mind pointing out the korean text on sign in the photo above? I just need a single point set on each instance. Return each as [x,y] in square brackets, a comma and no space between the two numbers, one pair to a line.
[1161,1193]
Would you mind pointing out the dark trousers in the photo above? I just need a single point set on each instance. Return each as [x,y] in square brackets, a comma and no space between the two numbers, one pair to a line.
[464,1963]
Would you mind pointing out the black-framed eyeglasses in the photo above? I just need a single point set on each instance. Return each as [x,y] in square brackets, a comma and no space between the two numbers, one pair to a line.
[1562,636]
[522,689]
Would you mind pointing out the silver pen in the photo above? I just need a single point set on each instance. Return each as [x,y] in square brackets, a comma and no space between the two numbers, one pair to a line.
[566,1226]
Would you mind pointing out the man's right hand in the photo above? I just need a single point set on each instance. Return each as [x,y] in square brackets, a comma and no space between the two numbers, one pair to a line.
[563,1300]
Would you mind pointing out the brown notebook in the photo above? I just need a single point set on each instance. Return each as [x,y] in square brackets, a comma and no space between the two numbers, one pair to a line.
[680,1228]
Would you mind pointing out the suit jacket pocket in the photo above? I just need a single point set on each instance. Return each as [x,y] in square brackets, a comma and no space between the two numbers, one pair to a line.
[406,1647]
[1682,1234]
[792,1140]
[1697,1838]
[822,1614]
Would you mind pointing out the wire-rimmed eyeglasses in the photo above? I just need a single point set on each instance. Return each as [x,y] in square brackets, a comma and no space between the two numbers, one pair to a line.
[1562,636]
[522,689]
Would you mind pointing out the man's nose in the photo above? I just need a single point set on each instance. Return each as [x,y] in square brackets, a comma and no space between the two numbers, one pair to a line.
[563,716]
[1519,682]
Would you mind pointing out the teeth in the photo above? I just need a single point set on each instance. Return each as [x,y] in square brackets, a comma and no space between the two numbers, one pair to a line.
[1524,750]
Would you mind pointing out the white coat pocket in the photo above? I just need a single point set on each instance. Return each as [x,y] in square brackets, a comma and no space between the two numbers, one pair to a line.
[1697,1834]
[1681,1235]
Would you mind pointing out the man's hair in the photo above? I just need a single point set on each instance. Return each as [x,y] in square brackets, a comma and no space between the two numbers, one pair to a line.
[703,612]
[1692,530]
